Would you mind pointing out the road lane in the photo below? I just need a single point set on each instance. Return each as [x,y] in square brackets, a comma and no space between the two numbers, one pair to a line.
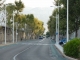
[31,50]
[9,52]
[41,51]
[34,53]
[14,58]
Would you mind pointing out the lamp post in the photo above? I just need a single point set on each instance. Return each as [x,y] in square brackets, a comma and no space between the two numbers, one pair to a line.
[67,21]
[5,23]
[57,20]
[56,28]
[16,31]
[13,26]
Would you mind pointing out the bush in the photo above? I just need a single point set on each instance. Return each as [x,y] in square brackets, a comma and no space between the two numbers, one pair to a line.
[71,48]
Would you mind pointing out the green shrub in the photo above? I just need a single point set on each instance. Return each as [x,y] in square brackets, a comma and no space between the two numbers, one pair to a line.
[71,48]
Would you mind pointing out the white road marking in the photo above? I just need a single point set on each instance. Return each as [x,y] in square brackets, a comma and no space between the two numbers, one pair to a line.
[36,44]
[14,58]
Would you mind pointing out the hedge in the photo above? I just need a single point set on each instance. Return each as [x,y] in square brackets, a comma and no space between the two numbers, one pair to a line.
[72,48]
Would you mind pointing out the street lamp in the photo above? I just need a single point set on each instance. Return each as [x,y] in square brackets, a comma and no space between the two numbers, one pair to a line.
[56,28]
[67,21]
[57,22]
[16,30]
[5,23]
[13,26]
[58,18]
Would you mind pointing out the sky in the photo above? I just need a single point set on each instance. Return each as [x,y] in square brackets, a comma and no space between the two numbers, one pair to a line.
[34,3]
[40,8]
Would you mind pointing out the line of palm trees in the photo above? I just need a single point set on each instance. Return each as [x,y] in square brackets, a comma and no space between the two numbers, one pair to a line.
[28,22]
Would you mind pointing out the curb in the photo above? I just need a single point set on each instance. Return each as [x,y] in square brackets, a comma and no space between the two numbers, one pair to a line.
[70,58]
[6,44]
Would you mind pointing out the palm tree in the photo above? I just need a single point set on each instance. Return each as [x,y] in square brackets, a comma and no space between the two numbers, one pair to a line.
[10,8]
[19,6]
[1,2]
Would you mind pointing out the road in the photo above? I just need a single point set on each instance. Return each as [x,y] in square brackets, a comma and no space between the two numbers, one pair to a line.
[31,50]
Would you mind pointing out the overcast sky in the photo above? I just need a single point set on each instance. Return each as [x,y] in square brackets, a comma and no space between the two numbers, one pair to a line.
[34,3]
[40,8]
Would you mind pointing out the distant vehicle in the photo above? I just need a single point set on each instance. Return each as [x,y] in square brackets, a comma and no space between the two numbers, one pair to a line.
[63,41]
[40,37]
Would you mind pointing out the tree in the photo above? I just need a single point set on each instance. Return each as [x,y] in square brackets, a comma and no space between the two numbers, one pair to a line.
[35,25]
[74,14]
[1,10]
[39,29]
[19,6]
[52,25]
[47,34]
[10,8]
[21,20]
[30,21]
[1,2]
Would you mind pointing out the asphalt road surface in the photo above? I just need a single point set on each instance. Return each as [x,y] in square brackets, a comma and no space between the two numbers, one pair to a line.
[31,50]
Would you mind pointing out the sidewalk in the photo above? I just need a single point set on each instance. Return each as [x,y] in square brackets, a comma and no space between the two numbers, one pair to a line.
[3,44]
[60,48]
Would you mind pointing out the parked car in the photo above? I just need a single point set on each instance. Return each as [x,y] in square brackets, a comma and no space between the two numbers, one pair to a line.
[63,41]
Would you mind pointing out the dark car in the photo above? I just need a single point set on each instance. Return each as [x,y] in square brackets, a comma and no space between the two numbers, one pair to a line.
[63,41]
[40,37]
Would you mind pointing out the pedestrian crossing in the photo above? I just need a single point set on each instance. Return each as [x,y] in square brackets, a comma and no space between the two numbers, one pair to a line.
[34,44]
